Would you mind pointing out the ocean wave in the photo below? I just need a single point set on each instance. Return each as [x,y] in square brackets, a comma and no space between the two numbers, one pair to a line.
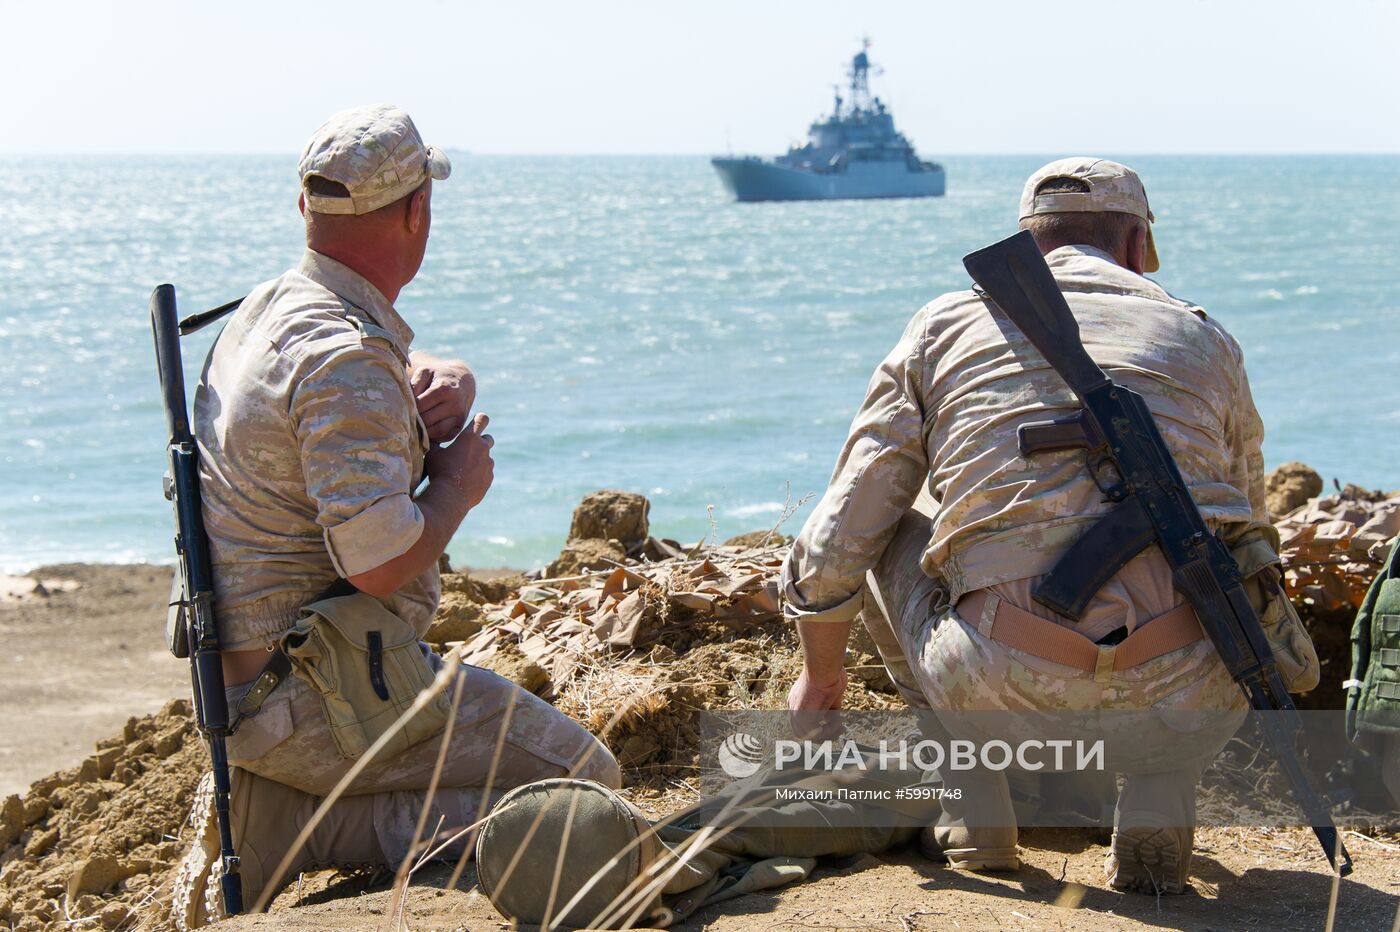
[759,508]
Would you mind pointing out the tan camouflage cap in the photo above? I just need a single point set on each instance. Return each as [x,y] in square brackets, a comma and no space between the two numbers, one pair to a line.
[1112,187]
[376,152]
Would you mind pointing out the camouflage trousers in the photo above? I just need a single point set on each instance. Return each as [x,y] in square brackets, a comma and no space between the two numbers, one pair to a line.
[1168,716]
[501,737]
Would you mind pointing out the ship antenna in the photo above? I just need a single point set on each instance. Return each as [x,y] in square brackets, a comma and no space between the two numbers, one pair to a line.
[860,77]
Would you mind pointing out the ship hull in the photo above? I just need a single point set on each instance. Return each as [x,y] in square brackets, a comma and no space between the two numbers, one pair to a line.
[757,180]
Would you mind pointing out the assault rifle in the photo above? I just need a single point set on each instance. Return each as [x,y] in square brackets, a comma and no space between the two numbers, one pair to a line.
[1133,467]
[194,631]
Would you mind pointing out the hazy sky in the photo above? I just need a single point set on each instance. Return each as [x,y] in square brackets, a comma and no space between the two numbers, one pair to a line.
[694,77]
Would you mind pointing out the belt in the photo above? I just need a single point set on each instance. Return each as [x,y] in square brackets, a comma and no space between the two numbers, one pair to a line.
[995,618]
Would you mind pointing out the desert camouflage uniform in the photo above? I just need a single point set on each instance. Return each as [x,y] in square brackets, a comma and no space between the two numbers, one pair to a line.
[940,417]
[943,408]
[310,449]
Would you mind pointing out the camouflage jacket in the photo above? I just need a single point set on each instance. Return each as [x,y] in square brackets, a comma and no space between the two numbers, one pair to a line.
[310,448]
[941,413]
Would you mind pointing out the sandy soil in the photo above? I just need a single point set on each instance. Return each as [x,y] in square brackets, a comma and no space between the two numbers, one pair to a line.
[78,661]
[83,658]
[1240,881]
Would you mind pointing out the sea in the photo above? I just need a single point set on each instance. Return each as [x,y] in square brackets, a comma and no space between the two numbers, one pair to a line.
[631,327]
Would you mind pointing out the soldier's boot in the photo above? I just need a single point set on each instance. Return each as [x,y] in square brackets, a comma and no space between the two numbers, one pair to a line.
[266,818]
[977,829]
[1152,834]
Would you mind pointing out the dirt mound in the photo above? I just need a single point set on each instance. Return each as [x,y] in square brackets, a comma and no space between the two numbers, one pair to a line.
[94,847]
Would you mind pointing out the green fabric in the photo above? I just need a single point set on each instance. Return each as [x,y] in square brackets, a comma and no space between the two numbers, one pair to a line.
[736,842]
[566,850]
[1373,696]
[755,844]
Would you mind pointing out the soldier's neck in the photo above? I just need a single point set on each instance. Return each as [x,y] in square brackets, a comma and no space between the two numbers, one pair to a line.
[380,270]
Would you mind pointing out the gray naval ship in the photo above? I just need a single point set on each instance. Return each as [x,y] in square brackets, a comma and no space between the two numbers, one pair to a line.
[854,152]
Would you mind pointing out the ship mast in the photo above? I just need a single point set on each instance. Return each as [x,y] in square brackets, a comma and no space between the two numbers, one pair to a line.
[860,78]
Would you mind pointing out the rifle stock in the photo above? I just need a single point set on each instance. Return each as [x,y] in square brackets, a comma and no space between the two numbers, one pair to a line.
[201,630]
[1133,466]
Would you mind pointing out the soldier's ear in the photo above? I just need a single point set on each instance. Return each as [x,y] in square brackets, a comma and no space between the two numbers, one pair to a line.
[417,214]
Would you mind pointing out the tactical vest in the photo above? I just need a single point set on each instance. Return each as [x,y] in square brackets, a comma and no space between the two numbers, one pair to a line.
[1373,691]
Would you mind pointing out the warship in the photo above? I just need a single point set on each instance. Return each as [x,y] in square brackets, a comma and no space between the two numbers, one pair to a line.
[853,153]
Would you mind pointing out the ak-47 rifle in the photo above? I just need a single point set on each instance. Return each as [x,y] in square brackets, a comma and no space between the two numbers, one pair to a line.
[1134,468]
[196,633]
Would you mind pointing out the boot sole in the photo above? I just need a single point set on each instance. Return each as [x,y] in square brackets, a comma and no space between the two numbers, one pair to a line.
[196,898]
[970,859]
[1147,860]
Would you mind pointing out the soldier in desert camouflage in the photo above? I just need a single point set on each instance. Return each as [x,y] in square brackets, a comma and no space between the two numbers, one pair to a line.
[944,584]
[317,420]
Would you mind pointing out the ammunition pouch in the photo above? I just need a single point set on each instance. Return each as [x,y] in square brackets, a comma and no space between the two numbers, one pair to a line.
[367,666]
[1292,647]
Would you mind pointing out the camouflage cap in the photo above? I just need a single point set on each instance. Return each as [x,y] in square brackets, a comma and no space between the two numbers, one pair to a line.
[1112,187]
[376,152]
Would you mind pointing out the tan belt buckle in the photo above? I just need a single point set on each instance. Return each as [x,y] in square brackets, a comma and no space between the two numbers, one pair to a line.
[1103,666]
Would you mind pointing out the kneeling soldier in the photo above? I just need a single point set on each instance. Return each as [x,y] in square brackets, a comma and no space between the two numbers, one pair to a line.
[316,422]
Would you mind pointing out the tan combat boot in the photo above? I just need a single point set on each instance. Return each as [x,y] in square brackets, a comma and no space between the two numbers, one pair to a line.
[266,818]
[1152,834]
[977,829]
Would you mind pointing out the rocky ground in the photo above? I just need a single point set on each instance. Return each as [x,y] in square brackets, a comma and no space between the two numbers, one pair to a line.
[632,636]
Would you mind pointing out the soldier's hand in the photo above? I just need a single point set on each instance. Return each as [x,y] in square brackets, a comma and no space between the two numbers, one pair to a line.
[444,390]
[814,708]
[466,463]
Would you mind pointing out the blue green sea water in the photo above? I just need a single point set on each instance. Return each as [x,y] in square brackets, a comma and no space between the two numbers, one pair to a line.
[632,328]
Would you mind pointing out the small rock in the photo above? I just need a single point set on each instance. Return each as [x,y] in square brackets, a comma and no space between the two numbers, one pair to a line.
[11,820]
[177,708]
[457,619]
[40,843]
[112,915]
[100,873]
[754,540]
[87,905]
[171,741]
[510,663]
[1290,486]
[580,556]
[612,514]
[35,808]
[100,765]
[637,749]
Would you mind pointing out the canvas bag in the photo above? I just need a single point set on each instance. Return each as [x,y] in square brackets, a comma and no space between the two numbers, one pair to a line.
[368,667]
[575,834]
